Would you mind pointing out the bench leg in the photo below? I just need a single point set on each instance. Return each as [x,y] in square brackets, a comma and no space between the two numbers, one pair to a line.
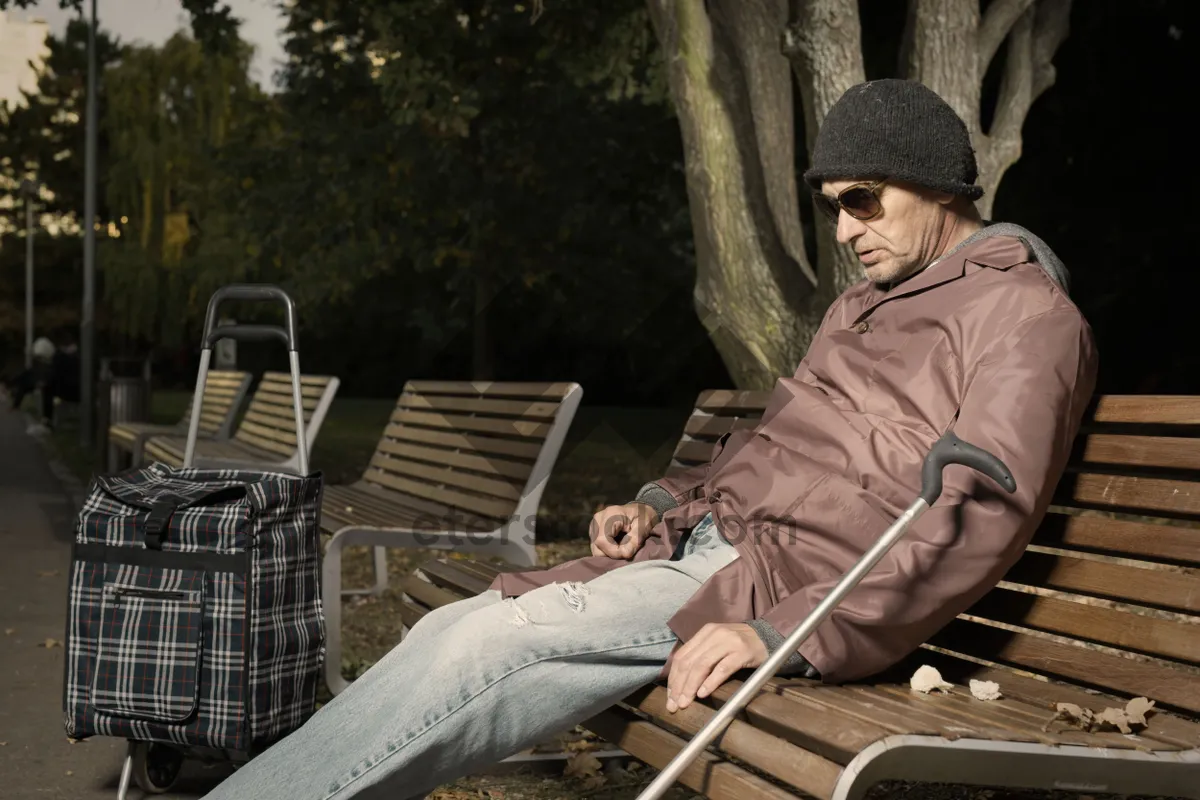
[1023,765]
[331,585]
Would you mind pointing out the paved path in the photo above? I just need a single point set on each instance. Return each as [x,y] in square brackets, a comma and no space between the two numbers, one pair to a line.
[37,510]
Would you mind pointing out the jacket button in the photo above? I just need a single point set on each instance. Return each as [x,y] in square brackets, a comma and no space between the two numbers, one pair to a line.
[862,327]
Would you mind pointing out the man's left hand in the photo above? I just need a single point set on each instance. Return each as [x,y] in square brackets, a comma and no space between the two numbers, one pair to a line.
[709,659]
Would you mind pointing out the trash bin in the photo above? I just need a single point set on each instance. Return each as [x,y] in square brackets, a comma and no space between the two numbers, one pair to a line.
[123,395]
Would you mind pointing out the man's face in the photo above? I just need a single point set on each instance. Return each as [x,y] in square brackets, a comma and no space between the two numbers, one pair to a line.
[904,237]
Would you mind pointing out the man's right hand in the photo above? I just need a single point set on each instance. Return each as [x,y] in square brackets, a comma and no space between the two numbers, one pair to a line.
[634,520]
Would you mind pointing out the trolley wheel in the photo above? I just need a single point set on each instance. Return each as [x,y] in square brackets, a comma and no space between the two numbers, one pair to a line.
[156,766]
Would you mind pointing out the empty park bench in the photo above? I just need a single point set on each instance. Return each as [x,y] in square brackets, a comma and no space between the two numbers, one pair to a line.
[266,436]
[1103,607]
[460,466]
[224,391]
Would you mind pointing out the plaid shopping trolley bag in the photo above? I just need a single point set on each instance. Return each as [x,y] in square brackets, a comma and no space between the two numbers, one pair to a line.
[195,624]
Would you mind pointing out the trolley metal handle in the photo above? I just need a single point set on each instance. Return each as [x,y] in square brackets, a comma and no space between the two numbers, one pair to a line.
[248,333]
[250,291]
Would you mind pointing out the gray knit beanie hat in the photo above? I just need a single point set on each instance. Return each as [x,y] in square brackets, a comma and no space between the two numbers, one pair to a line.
[895,129]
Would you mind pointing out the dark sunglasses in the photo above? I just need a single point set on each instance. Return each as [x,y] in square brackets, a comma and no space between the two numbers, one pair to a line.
[860,201]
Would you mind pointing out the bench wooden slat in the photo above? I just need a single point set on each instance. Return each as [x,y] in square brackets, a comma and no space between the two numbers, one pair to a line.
[515,428]
[1132,492]
[1126,676]
[456,579]
[692,453]
[425,592]
[484,506]
[1177,590]
[1147,409]
[556,391]
[1167,452]
[1142,633]
[252,429]
[501,488]
[251,436]
[524,409]
[715,777]
[385,508]
[494,465]
[792,716]
[1164,731]
[732,401]
[1147,540]
[480,444]
[804,770]
[281,407]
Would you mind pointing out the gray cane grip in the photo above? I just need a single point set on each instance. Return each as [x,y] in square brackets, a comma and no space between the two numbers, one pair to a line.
[952,450]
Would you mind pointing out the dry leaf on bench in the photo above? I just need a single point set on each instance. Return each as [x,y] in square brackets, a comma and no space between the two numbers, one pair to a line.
[1137,708]
[50,643]
[927,679]
[1123,719]
[985,690]
[9,631]
[582,765]
[594,782]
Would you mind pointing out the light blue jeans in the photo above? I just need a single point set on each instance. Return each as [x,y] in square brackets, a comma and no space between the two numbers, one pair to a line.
[481,679]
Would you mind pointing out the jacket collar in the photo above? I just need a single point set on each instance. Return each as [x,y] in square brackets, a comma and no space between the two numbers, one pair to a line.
[996,252]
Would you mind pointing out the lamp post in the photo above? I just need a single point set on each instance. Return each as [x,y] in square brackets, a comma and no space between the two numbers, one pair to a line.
[87,328]
[29,190]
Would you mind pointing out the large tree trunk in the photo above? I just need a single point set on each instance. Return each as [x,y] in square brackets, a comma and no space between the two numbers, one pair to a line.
[823,40]
[733,96]
[755,291]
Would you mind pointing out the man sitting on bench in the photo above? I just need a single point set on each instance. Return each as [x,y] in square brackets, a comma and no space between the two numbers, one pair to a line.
[956,325]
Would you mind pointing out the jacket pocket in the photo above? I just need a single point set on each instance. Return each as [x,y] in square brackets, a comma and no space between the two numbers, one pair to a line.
[148,653]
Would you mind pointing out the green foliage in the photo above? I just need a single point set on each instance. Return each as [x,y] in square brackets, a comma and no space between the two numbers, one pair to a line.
[427,165]
[172,112]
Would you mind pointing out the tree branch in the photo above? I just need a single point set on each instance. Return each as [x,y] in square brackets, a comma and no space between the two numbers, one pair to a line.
[997,22]
[1050,31]
[1016,94]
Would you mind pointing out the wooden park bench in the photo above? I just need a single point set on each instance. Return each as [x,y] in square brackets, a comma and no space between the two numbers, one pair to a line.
[224,391]
[460,466]
[266,437]
[1103,607]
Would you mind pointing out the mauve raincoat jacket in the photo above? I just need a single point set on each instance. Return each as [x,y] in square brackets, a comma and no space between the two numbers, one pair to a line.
[983,342]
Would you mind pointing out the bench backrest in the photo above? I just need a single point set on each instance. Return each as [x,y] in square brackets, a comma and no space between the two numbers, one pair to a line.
[270,421]
[1107,595]
[481,449]
[223,394]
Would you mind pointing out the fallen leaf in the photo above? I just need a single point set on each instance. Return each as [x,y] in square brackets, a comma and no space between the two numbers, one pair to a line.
[1137,708]
[3,744]
[73,741]
[927,679]
[985,690]
[582,765]
[50,643]
[9,631]
[1123,719]
[69,772]
[349,509]
[580,746]
[47,573]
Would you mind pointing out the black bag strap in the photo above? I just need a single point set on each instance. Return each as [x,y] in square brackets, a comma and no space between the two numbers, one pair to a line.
[158,523]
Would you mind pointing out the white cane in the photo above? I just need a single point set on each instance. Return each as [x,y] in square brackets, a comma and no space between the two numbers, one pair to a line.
[947,450]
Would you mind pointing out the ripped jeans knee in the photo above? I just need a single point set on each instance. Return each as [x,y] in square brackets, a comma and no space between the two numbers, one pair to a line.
[525,609]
